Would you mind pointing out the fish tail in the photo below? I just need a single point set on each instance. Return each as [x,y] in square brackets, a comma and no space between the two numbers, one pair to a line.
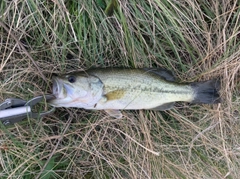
[206,92]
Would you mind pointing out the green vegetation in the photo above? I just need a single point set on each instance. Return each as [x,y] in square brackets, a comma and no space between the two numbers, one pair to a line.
[196,39]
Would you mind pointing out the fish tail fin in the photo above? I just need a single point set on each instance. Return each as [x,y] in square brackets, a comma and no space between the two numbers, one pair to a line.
[206,92]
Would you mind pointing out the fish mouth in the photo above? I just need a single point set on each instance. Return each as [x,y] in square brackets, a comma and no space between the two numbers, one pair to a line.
[56,90]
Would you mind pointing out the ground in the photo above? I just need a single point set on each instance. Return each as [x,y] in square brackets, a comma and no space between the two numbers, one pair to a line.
[195,39]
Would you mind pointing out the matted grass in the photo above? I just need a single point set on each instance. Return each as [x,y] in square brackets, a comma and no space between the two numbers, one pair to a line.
[197,40]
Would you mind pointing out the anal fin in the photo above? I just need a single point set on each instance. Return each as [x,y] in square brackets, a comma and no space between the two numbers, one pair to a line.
[164,107]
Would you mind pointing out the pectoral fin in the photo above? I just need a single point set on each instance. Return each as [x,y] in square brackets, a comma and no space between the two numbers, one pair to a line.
[113,95]
[164,107]
[114,113]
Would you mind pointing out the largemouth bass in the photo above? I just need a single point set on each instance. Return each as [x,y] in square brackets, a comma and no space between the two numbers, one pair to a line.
[115,89]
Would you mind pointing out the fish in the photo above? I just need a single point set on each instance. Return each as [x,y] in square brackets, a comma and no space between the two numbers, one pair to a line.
[116,89]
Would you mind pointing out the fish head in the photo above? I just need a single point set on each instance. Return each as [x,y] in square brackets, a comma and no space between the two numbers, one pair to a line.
[76,90]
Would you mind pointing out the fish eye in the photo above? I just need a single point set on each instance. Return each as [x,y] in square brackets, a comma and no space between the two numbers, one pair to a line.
[71,79]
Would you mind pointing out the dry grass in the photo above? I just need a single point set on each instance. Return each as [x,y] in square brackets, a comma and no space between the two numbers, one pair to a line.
[198,40]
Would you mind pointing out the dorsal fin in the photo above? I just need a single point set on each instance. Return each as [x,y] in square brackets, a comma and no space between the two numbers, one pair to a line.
[166,74]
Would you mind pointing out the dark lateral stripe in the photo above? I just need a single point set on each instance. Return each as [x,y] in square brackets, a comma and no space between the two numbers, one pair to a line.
[146,89]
